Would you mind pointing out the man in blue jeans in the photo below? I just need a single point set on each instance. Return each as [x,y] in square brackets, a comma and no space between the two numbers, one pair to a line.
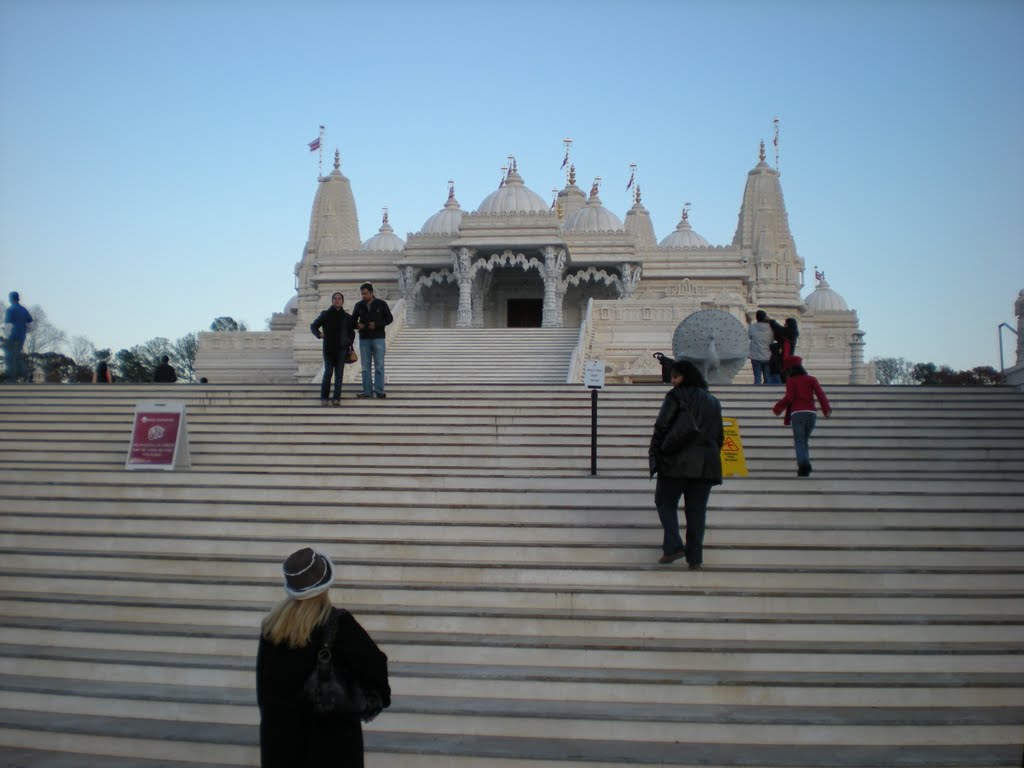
[761,335]
[17,323]
[372,316]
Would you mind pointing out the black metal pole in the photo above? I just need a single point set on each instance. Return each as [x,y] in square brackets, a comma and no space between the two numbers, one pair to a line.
[593,431]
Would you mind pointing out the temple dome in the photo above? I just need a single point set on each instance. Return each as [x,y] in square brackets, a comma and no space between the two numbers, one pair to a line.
[513,197]
[447,220]
[593,217]
[683,236]
[292,306]
[385,239]
[824,299]
[638,221]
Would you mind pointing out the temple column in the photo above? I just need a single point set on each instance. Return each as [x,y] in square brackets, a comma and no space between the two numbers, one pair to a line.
[857,359]
[462,269]
[554,267]
[408,286]
[481,288]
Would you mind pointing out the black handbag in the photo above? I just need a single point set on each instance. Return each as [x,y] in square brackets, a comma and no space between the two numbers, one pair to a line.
[331,691]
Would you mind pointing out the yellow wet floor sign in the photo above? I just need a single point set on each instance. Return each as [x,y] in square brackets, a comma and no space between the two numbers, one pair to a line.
[733,463]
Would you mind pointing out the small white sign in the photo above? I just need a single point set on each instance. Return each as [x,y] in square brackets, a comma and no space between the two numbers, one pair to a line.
[593,374]
[159,437]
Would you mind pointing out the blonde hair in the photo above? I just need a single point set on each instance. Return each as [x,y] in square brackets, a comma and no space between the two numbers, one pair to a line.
[293,621]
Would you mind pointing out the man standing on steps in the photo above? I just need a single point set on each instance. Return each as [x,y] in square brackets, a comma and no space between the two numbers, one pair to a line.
[372,316]
[761,335]
[335,326]
[17,323]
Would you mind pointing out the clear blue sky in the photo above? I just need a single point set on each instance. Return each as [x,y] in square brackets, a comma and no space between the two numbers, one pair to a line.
[154,171]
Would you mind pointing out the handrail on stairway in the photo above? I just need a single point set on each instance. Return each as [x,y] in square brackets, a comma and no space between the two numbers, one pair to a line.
[999,332]
[576,361]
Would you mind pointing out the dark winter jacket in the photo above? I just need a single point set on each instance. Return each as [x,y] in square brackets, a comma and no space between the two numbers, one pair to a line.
[165,374]
[338,327]
[291,736]
[786,337]
[378,312]
[688,436]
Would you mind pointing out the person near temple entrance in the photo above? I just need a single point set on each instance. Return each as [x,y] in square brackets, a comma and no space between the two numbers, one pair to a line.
[337,329]
[685,454]
[801,391]
[165,373]
[761,335]
[17,324]
[372,316]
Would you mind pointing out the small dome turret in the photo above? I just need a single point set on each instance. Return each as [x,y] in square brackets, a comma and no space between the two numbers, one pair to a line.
[513,196]
[824,299]
[593,217]
[684,236]
[385,239]
[638,221]
[447,220]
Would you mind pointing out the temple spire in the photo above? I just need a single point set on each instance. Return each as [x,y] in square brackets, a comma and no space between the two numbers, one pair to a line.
[760,154]
[451,189]
[337,160]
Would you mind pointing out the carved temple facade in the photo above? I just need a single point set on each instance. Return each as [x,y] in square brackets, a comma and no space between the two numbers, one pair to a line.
[519,261]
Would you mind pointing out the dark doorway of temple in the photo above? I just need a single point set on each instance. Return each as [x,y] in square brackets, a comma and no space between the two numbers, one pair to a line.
[525,313]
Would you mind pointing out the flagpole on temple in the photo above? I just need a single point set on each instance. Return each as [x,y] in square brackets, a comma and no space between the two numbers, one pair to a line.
[775,141]
[320,150]
[565,162]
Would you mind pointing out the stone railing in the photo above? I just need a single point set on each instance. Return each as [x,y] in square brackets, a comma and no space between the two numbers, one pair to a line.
[579,354]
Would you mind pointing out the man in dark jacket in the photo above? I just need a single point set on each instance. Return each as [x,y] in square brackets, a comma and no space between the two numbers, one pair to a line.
[335,326]
[685,453]
[372,316]
[165,373]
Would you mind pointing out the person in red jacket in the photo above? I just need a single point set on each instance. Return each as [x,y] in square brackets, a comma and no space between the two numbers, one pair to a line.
[801,391]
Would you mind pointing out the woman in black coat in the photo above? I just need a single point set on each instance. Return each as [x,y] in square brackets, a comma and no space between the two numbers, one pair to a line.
[291,734]
[685,454]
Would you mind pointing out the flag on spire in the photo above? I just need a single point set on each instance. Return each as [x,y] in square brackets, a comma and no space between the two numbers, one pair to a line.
[314,145]
[565,159]
[632,177]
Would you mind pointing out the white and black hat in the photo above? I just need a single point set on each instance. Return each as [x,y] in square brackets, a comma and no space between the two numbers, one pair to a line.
[307,573]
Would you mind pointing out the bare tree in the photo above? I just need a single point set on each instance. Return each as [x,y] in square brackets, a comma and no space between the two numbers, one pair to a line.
[44,337]
[82,350]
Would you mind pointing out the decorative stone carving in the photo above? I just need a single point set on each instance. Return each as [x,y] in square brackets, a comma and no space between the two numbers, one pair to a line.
[714,341]
[629,280]
[685,287]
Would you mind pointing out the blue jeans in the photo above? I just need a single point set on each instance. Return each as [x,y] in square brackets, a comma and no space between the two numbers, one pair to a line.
[695,494]
[333,364]
[372,351]
[803,425]
[15,360]
[761,371]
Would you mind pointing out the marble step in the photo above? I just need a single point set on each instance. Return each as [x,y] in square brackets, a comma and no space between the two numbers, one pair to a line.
[219,646]
[738,509]
[570,599]
[236,746]
[745,579]
[851,627]
[539,718]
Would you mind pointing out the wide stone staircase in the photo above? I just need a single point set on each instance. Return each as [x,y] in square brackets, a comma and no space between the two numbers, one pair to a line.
[481,355]
[871,615]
